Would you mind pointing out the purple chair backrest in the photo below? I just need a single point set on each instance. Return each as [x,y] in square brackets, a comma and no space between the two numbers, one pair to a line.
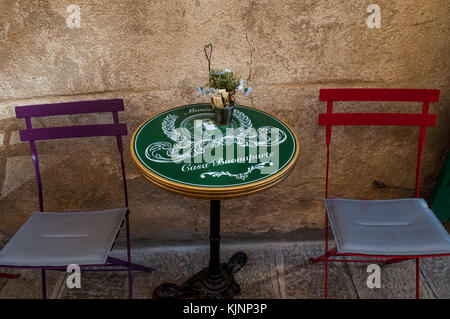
[31,135]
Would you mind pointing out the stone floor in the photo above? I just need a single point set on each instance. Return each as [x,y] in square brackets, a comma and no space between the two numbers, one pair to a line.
[274,270]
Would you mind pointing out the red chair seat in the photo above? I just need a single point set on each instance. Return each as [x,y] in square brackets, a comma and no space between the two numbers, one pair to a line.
[400,227]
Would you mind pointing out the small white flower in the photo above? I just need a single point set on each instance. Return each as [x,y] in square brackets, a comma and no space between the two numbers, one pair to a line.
[241,85]
[227,70]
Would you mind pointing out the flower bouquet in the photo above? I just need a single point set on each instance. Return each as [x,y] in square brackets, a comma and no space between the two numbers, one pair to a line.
[221,89]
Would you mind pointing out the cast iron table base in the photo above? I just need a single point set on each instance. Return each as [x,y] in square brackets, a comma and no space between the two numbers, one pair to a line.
[216,281]
[204,285]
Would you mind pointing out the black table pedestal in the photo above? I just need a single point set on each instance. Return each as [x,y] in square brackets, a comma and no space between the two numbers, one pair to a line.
[216,281]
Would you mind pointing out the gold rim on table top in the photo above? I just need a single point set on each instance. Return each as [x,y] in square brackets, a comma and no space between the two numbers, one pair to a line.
[220,192]
[218,196]
[212,190]
[215,195]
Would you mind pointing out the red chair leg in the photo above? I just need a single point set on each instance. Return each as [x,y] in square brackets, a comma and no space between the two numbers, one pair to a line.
[326,277]
[9,276]
[395,260]
[326,255]
[329,253]
[417,278]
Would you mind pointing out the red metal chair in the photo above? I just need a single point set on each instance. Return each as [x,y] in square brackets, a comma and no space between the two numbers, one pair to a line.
[54,240]
[9,276]
[395,230]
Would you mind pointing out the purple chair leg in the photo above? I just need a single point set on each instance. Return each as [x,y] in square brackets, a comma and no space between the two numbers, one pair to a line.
[130,274]
[44,285]
[123,263]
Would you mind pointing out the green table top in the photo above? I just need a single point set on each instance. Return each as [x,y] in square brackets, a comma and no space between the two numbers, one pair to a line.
[185,151]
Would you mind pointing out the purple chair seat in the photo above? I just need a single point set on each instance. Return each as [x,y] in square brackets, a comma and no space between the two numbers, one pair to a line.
[64,238]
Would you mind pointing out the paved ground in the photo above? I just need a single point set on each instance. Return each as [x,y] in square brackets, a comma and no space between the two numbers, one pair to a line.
[274,270]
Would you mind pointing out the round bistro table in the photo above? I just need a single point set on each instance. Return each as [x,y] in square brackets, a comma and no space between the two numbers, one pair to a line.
[184,151]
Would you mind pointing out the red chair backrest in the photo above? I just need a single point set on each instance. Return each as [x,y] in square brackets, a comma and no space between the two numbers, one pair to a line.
[396,119]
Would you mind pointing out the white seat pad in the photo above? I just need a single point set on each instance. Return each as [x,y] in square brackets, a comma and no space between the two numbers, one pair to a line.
[403,227]
[63,238]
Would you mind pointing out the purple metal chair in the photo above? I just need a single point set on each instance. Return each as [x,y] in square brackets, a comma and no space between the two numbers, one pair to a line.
[54,240]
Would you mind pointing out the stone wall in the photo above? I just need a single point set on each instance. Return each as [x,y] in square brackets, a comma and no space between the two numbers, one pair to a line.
[150,53]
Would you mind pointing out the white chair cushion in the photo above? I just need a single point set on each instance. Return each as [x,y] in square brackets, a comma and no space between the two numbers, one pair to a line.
[402,227]
[63,238]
